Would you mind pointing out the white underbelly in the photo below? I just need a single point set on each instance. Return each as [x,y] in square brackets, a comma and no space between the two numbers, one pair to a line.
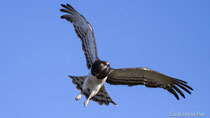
[92,84]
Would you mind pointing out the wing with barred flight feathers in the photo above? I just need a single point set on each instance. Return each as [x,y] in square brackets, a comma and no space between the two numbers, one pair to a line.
[84,32]
[149,78]
[102,97]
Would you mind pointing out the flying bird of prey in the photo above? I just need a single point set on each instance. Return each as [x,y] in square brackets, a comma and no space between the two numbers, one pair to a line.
[92,85]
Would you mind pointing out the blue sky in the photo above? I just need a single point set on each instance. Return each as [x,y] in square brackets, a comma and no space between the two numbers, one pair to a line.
[38,50]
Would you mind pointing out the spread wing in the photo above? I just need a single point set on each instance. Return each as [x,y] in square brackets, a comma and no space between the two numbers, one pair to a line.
[149,78]
[84,32]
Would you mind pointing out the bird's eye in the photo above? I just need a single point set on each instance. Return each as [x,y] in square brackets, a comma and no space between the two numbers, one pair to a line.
[102,64]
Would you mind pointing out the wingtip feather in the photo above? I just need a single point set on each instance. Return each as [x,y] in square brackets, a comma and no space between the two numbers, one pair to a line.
[185,85]
[179,91]
[62,17]
[62,5]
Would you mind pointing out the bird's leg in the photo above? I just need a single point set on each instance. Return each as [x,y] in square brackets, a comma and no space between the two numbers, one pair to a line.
[78,97]
[94,92]
[87,101]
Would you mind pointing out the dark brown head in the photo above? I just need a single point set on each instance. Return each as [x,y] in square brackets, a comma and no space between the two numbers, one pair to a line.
[100,69]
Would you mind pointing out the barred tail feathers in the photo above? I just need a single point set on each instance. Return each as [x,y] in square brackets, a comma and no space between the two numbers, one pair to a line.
[78,81]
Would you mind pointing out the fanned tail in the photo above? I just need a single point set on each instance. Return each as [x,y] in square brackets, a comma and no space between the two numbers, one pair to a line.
[78,81]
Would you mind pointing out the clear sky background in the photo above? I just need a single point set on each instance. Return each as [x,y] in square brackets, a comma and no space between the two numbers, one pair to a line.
[38,50]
